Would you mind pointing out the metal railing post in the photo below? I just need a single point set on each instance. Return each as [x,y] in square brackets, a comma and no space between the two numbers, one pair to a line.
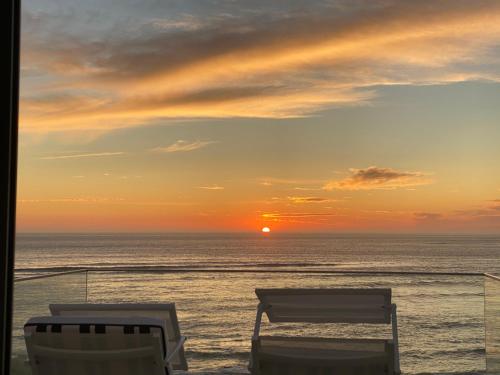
[395,337]
[258,320]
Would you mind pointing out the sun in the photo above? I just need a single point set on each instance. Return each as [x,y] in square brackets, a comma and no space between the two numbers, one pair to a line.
[266,230]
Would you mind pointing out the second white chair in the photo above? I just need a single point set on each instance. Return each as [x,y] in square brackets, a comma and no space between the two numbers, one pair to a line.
[294,355]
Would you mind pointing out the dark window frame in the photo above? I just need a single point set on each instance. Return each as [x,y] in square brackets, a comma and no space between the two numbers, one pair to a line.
[8,170]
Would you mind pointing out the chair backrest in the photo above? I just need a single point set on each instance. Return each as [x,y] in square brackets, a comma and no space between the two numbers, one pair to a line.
[327,305]
[163,311]
[98,346]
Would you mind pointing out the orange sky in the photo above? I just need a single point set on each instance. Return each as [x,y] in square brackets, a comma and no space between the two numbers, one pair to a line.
[304,116]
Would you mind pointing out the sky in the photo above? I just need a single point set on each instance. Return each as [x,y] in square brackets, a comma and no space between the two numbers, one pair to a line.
[227,115]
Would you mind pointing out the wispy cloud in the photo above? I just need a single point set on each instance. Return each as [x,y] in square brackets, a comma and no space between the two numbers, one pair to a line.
[302,217]
[272,64]
[300,200]
[278,215]
[300,188]
[427,216]
[74,200]
[489,209]
[479,218]
[78,156]
[270,181]
[184,146]
[211,187]
[378,178]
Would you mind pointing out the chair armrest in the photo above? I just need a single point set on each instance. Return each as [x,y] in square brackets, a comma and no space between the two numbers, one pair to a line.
[176,349]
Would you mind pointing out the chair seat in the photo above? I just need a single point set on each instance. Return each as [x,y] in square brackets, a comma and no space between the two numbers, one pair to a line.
[323,350]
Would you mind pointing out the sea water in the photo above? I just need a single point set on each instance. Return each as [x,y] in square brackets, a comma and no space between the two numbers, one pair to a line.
[440,317]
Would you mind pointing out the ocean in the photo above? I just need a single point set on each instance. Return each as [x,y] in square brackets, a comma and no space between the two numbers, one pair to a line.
[212,277]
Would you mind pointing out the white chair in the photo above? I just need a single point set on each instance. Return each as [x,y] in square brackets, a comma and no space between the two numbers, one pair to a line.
[279,355]
[164,311]
[99,346]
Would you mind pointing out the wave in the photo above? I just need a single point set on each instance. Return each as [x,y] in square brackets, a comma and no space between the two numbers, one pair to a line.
[448,353]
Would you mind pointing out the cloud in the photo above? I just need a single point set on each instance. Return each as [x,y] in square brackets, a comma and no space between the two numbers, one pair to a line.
[271,181]
[301,217]
[211,187]
[78,156]
[184,146]
[490,209]
[295,215]
[263,64]
[495,205]
[309,200]
[301,188]
[378,178]
[480,218]
[73,200]
[488,212]
[426,216]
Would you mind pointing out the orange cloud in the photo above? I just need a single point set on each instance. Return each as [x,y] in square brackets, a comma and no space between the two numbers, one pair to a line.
[277,215]
[184,146]
[274,67]
[79,156]
[309,200]
[378,178]
[427,216]
[212,187]
[270,181]
[73,200]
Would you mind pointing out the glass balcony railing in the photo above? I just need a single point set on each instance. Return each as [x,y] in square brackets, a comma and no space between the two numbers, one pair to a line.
[492,323]
[32,296]
[442,318]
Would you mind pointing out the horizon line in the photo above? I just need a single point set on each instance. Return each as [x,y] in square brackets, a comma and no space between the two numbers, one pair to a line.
[260,233]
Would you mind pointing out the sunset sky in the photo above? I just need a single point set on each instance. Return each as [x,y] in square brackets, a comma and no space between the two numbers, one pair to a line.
[226,115]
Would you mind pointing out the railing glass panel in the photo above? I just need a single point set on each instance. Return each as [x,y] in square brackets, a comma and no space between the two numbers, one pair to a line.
[492,323]
[440,318]
[32,296]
